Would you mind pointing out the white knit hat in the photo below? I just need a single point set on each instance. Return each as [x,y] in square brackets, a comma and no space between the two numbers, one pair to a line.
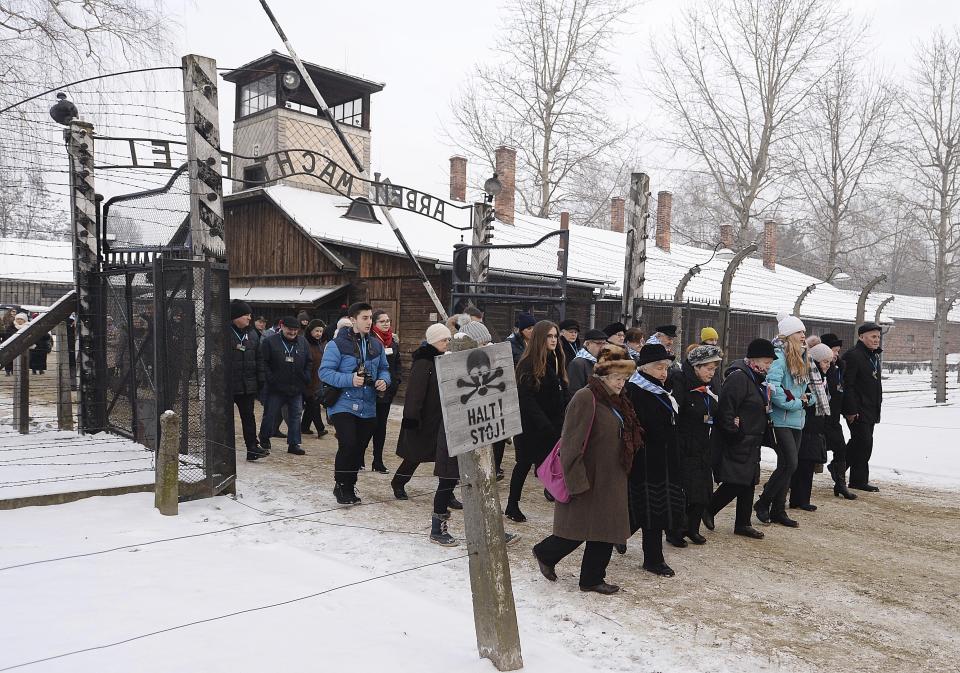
[22,316]
[789,324]
[437,332]
[821,353]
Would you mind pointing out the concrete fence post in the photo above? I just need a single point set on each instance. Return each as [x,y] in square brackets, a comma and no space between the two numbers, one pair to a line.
[166,486]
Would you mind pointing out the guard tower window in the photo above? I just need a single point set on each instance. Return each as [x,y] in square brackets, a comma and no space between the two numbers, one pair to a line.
[258,95]
[349,113]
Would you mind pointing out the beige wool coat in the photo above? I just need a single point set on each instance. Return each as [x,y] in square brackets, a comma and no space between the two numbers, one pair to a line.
[597,482]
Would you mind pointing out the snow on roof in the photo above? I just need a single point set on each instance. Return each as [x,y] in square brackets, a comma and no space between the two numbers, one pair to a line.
[282,295]
[31,259]
[597,254]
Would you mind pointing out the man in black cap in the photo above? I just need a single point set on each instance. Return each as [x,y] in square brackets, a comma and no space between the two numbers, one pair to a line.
[569,339]
[247,374]
[664,335]
[862,397]
[580,368]
[832,431]
[286,359]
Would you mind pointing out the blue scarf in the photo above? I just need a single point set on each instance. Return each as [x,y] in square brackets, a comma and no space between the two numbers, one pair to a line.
[586,355]
[644,383]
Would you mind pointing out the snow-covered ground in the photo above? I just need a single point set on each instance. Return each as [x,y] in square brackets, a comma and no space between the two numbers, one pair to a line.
[60,462]
[377,596]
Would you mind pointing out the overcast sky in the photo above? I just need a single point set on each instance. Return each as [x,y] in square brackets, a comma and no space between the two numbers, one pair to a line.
[424,50]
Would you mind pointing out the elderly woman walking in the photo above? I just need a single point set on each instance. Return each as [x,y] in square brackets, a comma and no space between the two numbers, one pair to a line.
[655,493]
[740,423]
[600,436]
[697,404]
[788,379]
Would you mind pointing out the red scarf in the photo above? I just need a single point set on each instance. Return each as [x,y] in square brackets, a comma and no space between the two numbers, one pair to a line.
[385,337]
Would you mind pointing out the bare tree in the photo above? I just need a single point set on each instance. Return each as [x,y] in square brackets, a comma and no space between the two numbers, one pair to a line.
[548,97]
[844,147]
[735,76]
[932,105]
[44,43]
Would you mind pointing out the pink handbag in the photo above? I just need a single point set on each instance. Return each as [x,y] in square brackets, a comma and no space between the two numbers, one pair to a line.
[550,471]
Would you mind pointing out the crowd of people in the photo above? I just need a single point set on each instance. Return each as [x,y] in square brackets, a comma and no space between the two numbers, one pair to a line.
[648,440]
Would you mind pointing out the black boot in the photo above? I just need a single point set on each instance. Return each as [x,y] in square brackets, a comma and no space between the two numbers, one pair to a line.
[513,512]
[839,473]
[762,509]
[439,533]
[675,538]
[454,503]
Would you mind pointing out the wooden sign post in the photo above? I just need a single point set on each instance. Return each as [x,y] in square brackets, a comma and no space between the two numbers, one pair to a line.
[478,391]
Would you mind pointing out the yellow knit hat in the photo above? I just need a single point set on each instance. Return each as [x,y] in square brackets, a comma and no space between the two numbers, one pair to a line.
[708,333]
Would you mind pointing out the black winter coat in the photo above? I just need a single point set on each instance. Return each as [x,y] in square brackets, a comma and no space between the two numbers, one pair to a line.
[832,431]
[862,387]
[737,448]
[655,492]
[38,353]
[285,378]
[395,366]
[422,413]
[247,374]
[570,350]
[813,445]
[696,452]
[517,346]
[541,412]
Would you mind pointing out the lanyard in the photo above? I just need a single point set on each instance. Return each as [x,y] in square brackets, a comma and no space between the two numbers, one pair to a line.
[237,334]
[666,404]
[291,350]
[618,415]
[363,348]
[706,401]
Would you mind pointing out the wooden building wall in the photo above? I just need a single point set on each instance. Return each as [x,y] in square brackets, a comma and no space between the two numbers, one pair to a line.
[265,249]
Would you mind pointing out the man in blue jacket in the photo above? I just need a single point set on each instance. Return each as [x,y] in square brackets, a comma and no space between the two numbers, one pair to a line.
[355,364]
[286,359]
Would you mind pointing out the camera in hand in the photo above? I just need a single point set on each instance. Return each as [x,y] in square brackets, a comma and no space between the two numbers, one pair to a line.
[368,379]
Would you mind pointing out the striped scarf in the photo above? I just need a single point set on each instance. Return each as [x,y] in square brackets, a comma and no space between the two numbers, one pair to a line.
[818,386]
[644,383]
[586,355]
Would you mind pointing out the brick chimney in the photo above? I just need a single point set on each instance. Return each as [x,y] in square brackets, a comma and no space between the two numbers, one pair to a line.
[726,236]
[770,244]
[564,225]
[506,171]
[617,214]
[564,220]
[458,178]
[664,207]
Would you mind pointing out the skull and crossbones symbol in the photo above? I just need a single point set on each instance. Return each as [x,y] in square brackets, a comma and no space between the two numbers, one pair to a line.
[480,376]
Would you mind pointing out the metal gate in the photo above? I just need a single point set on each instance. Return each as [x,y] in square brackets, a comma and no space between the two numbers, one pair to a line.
[164,348]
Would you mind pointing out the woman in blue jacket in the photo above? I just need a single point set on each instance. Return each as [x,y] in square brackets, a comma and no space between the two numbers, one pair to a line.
[354,363]
[788,379]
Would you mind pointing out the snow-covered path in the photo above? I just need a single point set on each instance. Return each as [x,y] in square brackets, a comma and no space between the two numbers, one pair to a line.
[870,585]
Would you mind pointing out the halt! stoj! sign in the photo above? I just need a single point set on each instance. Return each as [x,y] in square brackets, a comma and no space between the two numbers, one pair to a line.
[478,392]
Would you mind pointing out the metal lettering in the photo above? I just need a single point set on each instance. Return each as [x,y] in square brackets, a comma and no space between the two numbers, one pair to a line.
[160,148]
[411,200]
[284,164]
[346,180]
[329,172]
[424,204]
[313,162]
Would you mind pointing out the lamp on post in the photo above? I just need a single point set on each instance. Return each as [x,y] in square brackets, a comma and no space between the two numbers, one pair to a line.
[835,274]
[725,289]
[862,301]
[677,318]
